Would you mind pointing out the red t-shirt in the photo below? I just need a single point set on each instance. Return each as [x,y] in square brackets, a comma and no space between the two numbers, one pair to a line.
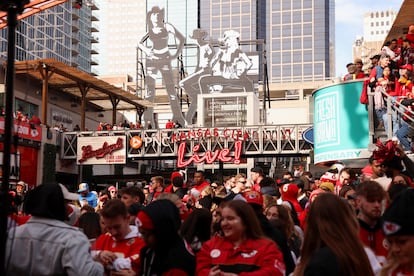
[128,248]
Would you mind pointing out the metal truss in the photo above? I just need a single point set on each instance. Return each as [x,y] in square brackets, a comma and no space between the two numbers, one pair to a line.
[164,143]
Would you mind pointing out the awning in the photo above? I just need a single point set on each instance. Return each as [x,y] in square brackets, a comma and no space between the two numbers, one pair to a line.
[405,18]
[67,79]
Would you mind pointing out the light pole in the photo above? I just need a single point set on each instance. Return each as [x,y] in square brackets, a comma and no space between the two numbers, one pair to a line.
[13,8]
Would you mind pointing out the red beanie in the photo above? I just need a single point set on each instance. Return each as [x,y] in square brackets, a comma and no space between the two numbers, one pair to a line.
[175,174]
[144,221]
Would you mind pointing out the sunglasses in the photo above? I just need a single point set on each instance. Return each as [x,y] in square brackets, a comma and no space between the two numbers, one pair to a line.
[351,197]
[244,182]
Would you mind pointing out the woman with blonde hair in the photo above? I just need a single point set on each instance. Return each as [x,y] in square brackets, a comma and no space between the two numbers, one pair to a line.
[331,245]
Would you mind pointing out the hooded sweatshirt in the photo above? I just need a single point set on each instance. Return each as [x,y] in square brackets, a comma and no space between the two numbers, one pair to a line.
[171,254]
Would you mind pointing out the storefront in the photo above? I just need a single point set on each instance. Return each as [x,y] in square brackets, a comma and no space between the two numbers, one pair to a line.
[25,152]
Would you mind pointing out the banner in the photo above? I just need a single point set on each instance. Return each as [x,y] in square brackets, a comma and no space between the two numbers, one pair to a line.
[24,130]
[340,123]
[101,150]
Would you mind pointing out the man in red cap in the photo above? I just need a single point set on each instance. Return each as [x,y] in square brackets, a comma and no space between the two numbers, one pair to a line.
[119,249]
[177,185]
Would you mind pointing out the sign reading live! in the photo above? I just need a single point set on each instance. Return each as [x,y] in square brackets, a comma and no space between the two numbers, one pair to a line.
[101,150]
[24,130]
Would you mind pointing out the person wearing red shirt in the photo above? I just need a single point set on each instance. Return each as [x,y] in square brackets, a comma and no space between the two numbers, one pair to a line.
[118,249]
[157,187]
[370,197]
[256,175]
[169,124]
[201,191]
[242,250]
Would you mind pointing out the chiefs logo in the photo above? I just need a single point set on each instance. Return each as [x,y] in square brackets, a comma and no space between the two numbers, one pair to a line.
[390,227]
[135,142]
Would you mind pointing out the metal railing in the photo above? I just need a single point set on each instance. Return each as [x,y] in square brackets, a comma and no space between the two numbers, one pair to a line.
[282,140]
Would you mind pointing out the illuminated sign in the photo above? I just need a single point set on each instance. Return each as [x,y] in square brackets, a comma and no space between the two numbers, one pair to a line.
[208,157]
[101,150]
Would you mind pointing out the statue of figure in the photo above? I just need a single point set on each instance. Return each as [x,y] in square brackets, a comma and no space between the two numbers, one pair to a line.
[190,84]
[158,59]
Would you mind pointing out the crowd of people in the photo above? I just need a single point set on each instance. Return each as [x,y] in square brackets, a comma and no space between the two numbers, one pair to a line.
[390,77]
[341,222]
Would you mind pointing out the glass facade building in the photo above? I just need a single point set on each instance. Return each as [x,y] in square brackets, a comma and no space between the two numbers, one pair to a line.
[299,34]
[61,32]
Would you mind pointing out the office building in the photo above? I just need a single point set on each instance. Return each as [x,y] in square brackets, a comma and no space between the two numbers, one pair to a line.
[64,32]
[299,34]
[121,25]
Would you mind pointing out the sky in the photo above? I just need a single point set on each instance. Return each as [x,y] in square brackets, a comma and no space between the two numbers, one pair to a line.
[349,24]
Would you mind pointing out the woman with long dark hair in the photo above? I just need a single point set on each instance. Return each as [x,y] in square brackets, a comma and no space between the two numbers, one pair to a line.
[331,244]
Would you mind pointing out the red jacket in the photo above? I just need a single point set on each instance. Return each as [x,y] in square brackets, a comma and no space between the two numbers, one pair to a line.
[254,257]
[374,238]
[129,247]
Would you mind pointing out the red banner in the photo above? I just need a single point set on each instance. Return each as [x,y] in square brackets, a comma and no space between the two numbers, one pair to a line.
[24,130]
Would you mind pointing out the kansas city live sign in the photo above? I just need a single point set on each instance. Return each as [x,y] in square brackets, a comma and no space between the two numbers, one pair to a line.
[187,146]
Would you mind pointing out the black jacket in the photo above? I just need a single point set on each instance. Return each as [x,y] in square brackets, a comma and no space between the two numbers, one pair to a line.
[170,251]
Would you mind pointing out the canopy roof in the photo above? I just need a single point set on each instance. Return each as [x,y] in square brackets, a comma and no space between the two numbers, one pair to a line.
[404,19]
[72,81]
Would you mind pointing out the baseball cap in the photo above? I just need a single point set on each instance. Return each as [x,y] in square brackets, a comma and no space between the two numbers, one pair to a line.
[68,195]
[253,197]
[21,183]
[83,187]
[409,67]
[144,221]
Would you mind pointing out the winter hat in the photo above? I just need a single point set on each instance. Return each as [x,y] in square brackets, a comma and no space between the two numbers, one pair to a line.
[290,191]
[328,177]
[144,221]
[327,186]
[175,174]
[398,218]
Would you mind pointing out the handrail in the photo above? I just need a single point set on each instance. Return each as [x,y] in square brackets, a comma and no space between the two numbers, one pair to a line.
[397,107]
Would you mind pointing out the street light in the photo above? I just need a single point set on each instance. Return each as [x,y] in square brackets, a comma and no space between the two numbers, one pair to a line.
[13,8]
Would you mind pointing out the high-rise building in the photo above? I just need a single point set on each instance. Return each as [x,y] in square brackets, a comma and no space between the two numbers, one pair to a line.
[376,26]
[299,34]
[64,32]
[121,24]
